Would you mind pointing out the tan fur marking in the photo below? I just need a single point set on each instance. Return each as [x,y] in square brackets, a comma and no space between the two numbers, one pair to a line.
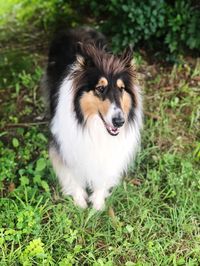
[91,105]
[102,82]
[126,102]
[120,84]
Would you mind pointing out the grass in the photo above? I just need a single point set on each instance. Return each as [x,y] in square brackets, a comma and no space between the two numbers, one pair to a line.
[152,218]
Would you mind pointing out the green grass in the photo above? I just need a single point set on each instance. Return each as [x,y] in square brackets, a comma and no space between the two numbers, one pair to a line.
[152,218]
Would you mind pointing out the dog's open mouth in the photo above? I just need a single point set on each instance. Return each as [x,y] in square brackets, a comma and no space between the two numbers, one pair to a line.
[113,131]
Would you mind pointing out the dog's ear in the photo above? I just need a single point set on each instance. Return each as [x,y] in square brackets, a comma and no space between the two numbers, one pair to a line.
[84,54]
[79,54]
[127,56]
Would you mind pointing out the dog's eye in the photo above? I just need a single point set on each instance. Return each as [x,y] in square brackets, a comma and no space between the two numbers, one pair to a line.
[100,89]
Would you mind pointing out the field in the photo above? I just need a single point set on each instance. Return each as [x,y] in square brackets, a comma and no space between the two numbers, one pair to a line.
[152,218]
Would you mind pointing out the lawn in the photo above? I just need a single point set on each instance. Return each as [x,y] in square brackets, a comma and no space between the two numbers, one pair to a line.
[152,218]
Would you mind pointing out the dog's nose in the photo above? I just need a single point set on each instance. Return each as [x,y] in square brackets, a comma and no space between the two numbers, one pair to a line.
[118,121]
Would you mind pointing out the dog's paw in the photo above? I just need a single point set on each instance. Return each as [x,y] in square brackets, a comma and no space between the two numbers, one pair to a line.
[80,202]
[98,201]
[80,199]
[99,205]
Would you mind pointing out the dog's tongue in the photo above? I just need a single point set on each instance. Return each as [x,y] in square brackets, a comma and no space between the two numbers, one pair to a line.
[112,130]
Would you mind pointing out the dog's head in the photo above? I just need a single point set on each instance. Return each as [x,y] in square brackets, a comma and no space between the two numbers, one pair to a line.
[104,85]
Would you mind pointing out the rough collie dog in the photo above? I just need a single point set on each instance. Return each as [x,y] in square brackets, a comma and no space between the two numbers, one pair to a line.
[96,115]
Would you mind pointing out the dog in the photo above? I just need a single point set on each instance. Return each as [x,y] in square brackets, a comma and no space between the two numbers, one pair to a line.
[95,114]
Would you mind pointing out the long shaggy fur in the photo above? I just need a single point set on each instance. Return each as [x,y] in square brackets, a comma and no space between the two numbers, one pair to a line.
[96,114]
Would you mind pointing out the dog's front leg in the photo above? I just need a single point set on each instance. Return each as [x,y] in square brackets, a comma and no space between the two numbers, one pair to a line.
[69,184]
